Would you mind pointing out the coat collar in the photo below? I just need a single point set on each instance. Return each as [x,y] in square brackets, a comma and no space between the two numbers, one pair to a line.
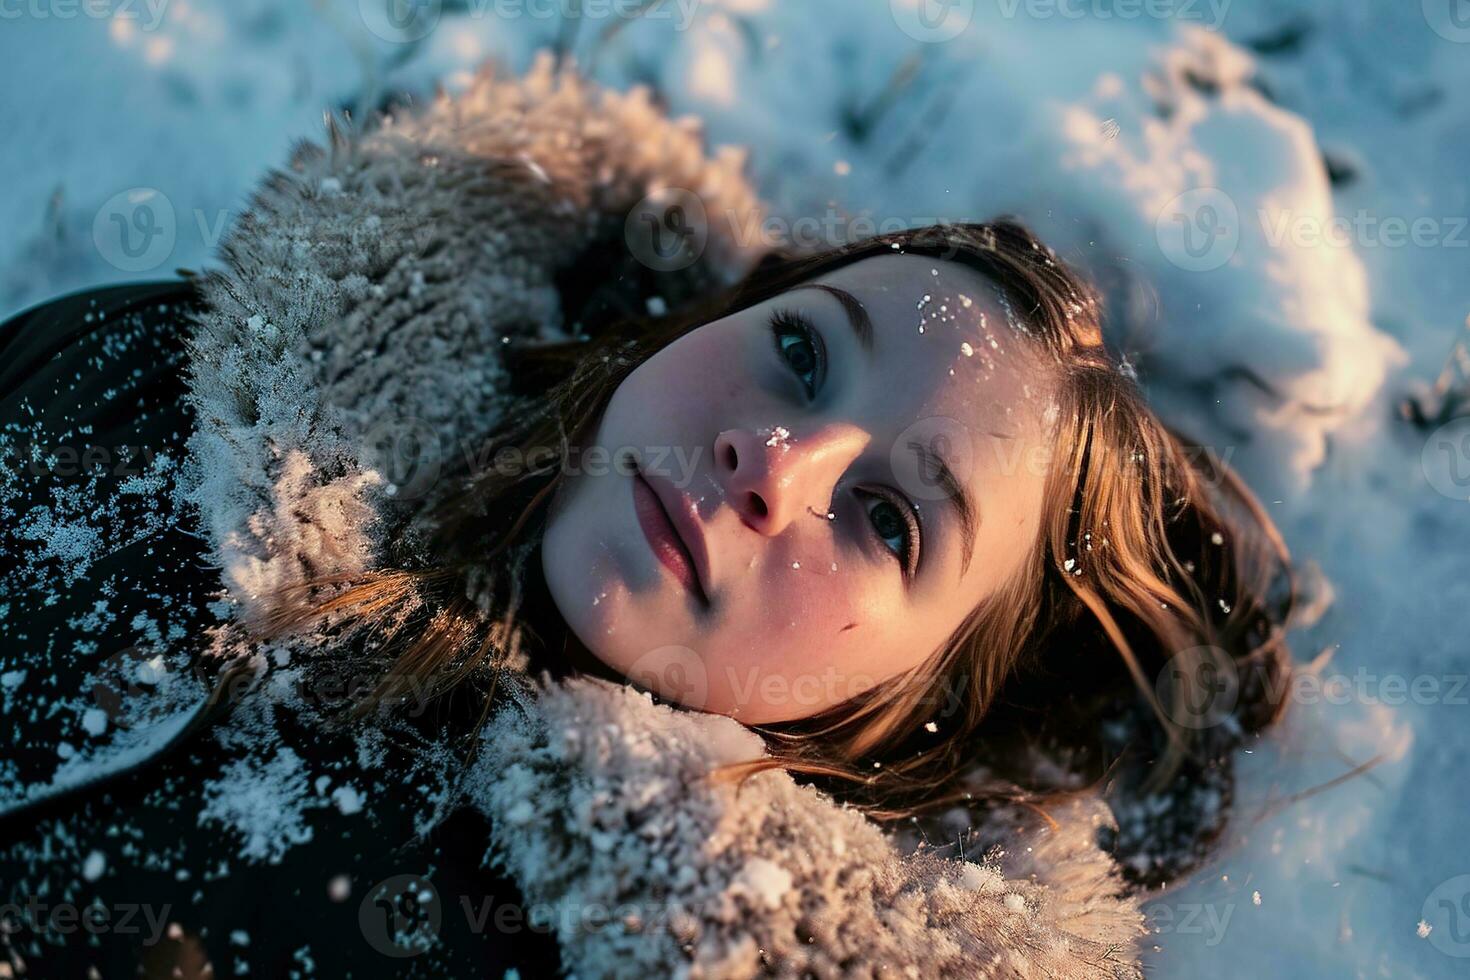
[600,812]
[366,294]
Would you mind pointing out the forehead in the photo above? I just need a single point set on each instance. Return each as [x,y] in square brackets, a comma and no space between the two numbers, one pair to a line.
[946,342]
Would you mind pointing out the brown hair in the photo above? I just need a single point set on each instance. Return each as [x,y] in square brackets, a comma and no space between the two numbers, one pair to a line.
[1152,561]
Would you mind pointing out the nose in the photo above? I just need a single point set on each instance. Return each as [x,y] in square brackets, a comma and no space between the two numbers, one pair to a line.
[773,475]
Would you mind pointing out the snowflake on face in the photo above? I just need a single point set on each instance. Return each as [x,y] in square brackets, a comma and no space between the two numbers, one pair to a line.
[777,436]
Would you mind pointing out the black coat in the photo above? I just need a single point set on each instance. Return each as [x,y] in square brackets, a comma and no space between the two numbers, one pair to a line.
[169,893]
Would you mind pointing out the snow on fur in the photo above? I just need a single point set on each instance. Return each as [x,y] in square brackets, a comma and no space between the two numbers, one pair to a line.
[599,811]
[370,285]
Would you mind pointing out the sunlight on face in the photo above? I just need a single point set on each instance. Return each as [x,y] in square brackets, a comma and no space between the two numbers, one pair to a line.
[806,498]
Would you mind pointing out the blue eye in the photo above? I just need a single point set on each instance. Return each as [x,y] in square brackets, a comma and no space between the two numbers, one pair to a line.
[897,526]
[800,346]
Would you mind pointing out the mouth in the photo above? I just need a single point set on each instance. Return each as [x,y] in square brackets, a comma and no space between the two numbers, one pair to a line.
[667,519]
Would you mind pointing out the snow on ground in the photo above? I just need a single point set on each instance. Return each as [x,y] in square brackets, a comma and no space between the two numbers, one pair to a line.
[1276,313]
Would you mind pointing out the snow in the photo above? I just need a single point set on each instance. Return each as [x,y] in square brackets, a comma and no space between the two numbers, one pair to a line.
[978,877]
[765,882]
[93,867]
[266,804]
[94,720]
[339,888]
[348,800]
[873,114]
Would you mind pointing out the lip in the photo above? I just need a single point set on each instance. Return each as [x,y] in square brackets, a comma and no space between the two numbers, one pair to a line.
[685,551]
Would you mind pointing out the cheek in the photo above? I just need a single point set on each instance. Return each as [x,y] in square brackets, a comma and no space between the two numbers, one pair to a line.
[706,368]
[807,638]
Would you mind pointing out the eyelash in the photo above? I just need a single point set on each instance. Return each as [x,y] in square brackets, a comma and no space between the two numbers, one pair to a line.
[789,323]
[909,550]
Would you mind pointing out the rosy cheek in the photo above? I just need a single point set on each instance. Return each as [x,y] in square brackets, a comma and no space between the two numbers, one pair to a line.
[811,610]
[786,651]
[711,361]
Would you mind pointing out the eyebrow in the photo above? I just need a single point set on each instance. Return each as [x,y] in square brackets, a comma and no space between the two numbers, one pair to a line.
[954,492]
[857,316]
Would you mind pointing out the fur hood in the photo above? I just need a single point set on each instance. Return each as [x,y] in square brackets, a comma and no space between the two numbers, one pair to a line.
[370,288]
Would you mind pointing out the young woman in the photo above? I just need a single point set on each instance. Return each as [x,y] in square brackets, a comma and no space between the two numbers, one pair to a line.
[893,506]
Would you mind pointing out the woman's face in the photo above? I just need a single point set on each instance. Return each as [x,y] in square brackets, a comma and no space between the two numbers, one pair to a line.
[796,502]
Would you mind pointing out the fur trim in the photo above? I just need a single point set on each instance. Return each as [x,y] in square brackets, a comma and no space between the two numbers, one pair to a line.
[598,812]
[368,288]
